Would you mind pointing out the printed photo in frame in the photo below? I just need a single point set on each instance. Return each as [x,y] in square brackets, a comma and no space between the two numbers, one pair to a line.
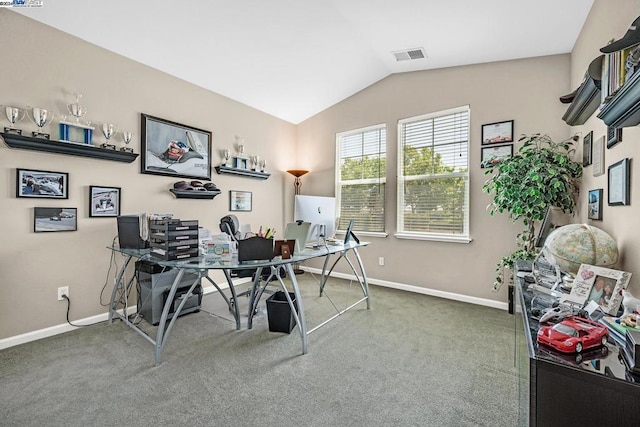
[173,149]
[47,219]
[42,184]
[240,201]
[104,201]
[499,132]
[597,156]
[601,285]
[493,155]
[614,136]
[587,149]
[619,176]
[594,207]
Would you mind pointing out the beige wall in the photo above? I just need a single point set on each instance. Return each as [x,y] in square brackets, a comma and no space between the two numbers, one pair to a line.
[603,24]
[41,66]
[48,64]
[524,90]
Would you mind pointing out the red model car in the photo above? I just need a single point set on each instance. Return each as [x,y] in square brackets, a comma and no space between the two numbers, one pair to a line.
[573,335]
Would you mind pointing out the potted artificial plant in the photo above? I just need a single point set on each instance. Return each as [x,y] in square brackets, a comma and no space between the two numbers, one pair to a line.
[541,174]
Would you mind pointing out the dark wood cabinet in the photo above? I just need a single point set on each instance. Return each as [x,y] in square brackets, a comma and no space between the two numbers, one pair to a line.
[555,389]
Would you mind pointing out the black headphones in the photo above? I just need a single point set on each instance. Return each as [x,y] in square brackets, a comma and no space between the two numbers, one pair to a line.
[229,224]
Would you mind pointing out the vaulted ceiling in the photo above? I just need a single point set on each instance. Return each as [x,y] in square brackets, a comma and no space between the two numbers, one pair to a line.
[295,58]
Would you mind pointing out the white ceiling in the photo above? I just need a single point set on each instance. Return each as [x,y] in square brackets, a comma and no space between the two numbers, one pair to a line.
[295,58]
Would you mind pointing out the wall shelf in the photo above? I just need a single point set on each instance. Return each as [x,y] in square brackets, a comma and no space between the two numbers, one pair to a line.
[194,194]
[242,172]
[69,148]
[584,104]
[623,110]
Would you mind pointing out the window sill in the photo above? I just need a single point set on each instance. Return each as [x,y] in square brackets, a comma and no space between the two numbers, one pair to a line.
[434,237]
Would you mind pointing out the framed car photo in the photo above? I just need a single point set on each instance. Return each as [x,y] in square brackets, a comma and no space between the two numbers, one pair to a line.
[104,201]
[172,149]
[42,184]
[47,219]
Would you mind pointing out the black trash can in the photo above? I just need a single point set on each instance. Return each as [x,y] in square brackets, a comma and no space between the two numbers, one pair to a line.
[279,312]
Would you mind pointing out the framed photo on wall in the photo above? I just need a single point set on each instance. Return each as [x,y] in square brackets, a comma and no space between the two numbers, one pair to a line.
[55,219]
[587,149]
[598,157]
[618,179]
[104,201]
[614,135]
[594,207]
[240,201]
[499,132]
[42,184]
[172,149]
[494,154]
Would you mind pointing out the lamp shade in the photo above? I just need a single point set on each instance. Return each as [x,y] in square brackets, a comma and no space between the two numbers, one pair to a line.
[297,172]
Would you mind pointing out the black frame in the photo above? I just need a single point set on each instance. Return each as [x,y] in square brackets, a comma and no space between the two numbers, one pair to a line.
[614,135]
[22,173]
[587,149]
[235,195]
[485,163]
[156,136]
[488,139]
[596,214]
[52,216]
[623,181]
[93,209]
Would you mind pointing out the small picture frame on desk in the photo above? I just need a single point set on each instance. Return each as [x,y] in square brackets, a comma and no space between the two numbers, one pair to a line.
[240,201]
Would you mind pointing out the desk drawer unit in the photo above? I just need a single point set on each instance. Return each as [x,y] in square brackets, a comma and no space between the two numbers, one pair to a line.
[174,239]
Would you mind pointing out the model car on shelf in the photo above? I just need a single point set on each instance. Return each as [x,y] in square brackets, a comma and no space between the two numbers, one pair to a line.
[561,310]
[573,335]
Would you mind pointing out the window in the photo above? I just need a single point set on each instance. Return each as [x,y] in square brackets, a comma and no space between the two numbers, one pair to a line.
[360,178]
[433,176]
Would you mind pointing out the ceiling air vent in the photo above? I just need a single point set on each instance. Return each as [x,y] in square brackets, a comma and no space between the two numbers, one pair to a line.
[405,55]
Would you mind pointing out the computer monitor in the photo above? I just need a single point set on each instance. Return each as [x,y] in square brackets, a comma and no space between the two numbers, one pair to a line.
[320,212]
[298,231]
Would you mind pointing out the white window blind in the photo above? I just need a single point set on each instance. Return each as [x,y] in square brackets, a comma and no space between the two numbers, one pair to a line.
[433,174]
[360,178]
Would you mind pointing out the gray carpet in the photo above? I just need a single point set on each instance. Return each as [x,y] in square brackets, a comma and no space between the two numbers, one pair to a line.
[412,360]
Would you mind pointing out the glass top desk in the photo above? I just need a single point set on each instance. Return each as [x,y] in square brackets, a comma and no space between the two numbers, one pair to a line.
[201,265]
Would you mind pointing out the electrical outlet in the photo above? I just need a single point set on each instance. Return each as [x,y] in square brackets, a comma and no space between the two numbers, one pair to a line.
[381,260]
[63,290]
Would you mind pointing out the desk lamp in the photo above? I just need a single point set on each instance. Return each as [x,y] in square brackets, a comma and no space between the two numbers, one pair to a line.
[297,183]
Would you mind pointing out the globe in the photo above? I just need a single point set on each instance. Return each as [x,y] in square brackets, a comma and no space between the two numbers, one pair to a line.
[574,244]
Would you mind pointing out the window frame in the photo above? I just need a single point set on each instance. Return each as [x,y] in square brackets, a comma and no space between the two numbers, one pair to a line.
[401,233]
[382,179]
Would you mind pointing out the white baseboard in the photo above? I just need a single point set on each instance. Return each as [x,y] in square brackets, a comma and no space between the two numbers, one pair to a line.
[56,330]
[65,327]
[420,290]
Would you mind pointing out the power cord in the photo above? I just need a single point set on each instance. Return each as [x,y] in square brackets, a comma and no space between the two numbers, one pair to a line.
[69,308]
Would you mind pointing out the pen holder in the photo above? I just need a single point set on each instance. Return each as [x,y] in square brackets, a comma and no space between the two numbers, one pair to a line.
[255,249]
